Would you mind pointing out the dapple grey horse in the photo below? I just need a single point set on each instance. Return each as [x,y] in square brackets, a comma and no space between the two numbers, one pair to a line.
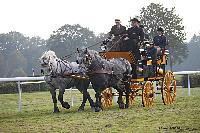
[59,74]
[103,74]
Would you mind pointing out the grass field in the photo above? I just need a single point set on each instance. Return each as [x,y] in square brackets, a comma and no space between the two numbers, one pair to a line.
[37,116]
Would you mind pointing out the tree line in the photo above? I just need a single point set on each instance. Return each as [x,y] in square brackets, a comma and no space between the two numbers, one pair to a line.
[19,54]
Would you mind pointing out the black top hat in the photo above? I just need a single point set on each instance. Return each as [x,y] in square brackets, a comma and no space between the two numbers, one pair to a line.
[160,29]
[134,19]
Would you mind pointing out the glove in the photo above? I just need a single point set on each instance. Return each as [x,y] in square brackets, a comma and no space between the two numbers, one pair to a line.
[126,38]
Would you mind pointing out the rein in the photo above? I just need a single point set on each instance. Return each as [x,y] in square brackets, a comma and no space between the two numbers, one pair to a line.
[103,55]
[69,55]
[63,73]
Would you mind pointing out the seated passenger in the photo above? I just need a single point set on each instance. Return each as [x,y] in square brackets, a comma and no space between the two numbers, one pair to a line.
[160,41]
[152,52]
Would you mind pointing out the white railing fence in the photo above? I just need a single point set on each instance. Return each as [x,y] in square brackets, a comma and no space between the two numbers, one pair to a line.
[38,80]
[19,80]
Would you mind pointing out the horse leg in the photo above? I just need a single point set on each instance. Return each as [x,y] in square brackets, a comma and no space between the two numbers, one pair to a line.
[92,105]
[98,101]
[60,98]
[120,102]
[86,96]
[127,88]
[81,108]
[53,95]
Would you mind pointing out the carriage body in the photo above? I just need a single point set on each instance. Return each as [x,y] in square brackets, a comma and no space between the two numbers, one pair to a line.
[143,83]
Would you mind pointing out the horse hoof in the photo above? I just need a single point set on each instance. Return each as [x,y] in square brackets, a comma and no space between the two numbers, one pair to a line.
[92,108]
[126,106]
[121,106]
[97,109]
[80,109]
[66,105]
[56,110]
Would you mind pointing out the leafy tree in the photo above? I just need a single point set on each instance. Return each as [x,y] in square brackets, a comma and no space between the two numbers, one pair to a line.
[18,73]
[19,52]
[34,49]
[154,16]
[68,38]
[193,47]
[15,61]
[98,40]
[10,44]
[12,41]
[2,65]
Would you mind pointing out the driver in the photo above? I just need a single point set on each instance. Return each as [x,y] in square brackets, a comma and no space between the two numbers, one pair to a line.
[117,31]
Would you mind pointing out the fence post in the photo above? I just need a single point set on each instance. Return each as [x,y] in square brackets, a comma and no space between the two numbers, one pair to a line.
[188,85]
[72,99]
[20,97]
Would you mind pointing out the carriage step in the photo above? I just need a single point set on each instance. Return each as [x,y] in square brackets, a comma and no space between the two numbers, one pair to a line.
[157,93]
[137,80]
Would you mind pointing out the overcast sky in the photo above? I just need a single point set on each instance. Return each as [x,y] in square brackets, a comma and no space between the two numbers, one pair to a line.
[42,17]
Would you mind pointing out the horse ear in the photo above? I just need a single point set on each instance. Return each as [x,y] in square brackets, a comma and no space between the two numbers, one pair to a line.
[86,51]
[78,50]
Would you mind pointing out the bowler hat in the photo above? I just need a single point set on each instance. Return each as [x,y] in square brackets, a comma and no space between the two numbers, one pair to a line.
[160,29]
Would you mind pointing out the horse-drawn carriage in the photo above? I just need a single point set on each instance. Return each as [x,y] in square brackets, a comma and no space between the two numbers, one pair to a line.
[108,69]
[147,81]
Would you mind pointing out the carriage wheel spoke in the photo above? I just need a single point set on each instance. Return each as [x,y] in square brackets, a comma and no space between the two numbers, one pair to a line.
[169,88]
[148,95]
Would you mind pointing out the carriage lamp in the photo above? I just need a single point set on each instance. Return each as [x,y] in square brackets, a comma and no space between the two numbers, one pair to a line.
[140,70]
[160,71]
[166,52]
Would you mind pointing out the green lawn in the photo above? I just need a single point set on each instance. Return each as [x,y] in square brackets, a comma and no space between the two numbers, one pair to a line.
[37,116]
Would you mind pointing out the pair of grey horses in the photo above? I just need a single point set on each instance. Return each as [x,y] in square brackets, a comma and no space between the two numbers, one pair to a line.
[101,73]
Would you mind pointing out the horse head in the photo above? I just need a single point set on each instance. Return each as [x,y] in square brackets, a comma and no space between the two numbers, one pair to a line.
[86,56]
[47,58]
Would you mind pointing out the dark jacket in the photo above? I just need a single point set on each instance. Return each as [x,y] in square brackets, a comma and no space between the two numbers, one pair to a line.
[135,33]
[152,52]
[160,41]
[118,31]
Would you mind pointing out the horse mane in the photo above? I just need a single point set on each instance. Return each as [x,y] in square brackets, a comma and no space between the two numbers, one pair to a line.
[120,65]
[49,53]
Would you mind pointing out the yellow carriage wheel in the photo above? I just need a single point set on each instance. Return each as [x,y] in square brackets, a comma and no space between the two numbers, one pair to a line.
[133,94]
[148,94]
[106,98]
[169,88]
[131,98]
